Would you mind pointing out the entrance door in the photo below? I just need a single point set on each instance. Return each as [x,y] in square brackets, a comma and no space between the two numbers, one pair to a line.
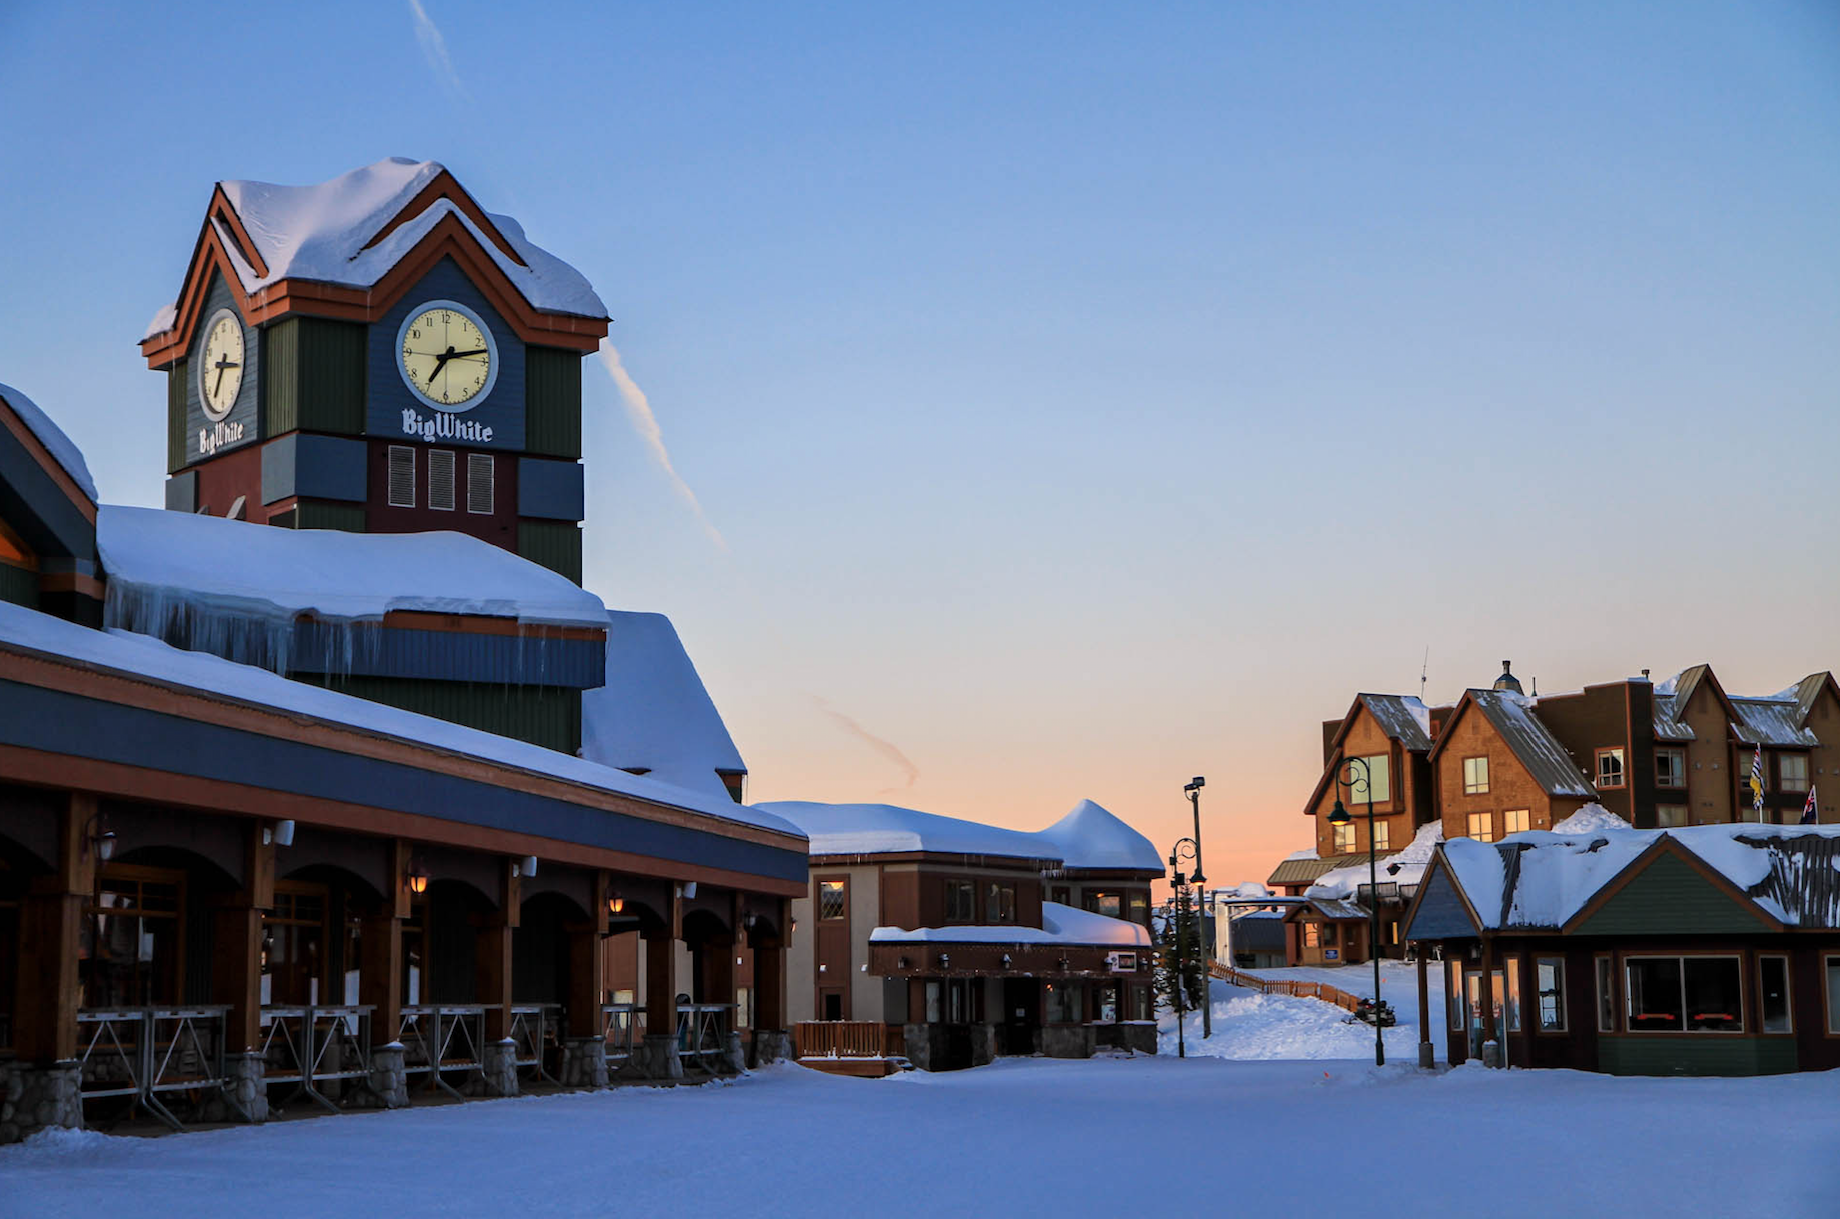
[1472,1004]
[1021,1015]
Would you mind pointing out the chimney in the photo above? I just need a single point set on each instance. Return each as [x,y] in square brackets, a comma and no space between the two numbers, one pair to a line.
[1644,674]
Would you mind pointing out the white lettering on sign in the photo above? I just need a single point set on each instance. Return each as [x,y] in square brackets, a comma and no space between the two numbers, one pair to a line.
[442,426]
[218,434]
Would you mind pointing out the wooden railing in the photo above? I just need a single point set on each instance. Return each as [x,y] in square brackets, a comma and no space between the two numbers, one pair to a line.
[1276,986]
[840,1038]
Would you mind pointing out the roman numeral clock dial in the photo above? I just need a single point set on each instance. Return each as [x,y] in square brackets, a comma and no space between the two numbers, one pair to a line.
[447,356]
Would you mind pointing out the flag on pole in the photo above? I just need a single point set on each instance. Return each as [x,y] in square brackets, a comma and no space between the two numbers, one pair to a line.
[1808,808]
[1757,781]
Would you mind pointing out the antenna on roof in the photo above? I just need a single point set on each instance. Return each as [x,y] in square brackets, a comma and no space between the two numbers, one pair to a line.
[1424,670]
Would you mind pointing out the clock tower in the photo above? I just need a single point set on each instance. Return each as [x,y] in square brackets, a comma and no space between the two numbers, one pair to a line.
[378,354]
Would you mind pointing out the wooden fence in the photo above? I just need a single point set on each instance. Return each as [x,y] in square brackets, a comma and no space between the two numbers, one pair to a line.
[1276,986]
[841,1038]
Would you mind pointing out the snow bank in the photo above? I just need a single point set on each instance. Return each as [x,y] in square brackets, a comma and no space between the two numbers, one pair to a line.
[235,589]
[1059,925]
[1406,867]
[1251,1026]
[49,434]
[1589,820]
[320,232]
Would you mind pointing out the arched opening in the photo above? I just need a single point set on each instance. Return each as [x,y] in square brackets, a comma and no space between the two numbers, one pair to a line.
[18,867]
[440,940]
[312,936]
[146,938]
[540,948]
[712,958]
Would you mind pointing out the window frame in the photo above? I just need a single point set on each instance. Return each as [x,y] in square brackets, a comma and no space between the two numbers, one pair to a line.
[1685,1013]
[1564,1027]
[1473,786]
[1763,1029]
[1783,781]
[1382,836]
[1342,839]
[1507,822]
[1830,961]
[1312,933]
[1686,817]
[1000,903]
[1488,821]
[962,887]
[842,884]
[1678,781]
[1622,768]
[1382,791]
[1606,992]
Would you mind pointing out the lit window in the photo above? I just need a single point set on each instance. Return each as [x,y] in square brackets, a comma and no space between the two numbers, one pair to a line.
[1109,904]
[1140,907]
[441,479]
[1793,767]
[1670,768]
[1382,836]
[1514,821]
[1376,776]
[1475,776]
[1508,993]
[832,898]
[1669,816]
[1609,768]
[479,490]
[1344,838]
[1312,938]
[1482,827]
[1549,979]
[402,476]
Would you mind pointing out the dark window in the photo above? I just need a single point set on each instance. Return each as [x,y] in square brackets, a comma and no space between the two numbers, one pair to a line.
[402,476]
[1774,993]
[964,1000]
[961,901]
[1606,995]
[1000,903]
[130,945]
[1670,768]
[1684,994]
[1066,1003]
[1140,1003]
[832,896]
[441,479]
[1140,907]
[1062,894]
[479,492]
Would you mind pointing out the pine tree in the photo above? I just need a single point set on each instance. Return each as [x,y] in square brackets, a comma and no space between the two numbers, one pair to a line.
[1180,913]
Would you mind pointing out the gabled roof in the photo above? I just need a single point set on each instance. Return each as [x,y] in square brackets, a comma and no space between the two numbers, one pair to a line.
[1668,724]
[1771,722]
[1401,717]
[1806,691]
[1091,838]
[1532,743]
[654,714]
[1295,871]
[1329,908]
[337,246]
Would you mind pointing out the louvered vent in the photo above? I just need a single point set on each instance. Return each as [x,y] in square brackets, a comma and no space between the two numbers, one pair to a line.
[479,483]
[402,476]
[441,479]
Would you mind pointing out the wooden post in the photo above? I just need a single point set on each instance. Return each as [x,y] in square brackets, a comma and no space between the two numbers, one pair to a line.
[587,964]
[492,958]
[1489,1032]
[380,951]
[236,944]
[661,981]
[50,935]
[1426,1055]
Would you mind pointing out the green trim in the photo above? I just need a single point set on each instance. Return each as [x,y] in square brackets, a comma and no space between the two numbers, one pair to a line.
[1691,1054]
[175,417]
[1670,897]
[554,544]
[321,514]
[552,402]
[313,376]
[542,715]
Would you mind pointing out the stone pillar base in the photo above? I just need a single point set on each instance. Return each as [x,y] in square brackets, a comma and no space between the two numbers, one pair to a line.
[38,1098]
[498,1068]
[245,1090]
[771,1045]
[389,1081]
[733,1057]
[656,1058]
[1427,1057]
[1491,1053]
[983,1044]
[584,1063]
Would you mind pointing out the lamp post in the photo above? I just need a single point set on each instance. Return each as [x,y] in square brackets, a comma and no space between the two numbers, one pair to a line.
[1193,788]
[1339,816]
[1185,848]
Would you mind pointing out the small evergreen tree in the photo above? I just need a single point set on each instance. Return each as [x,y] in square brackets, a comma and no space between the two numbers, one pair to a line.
[1180,915]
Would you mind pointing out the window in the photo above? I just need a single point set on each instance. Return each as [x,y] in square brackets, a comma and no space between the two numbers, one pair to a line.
[1000,903]
[479,491]
[1514,821]
[1140,1003]
[1109,904]
[1606,995]
[1453,996]
[1773,994]
[1668,816]
[1329,934]
[402,476]
[833,898]
[1684,994]
[1670,768]
[934,1007]
[1383,836]
[1609,768]
[1344,838]
[1833,994]
[1312,935]
[961,901]
[1105,1003]
[294,943]
[441,479]
[1066,1003]
[1475,776]
[1792,769]
[1482,827]
[1140,907]
[1508,993]
[130,947]
[1376,776]
[1549,980]
[963,999]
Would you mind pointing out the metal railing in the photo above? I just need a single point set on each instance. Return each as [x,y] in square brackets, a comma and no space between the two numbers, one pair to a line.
[532,1026]
[310,1045]
[621,1028]
[150,1053]
[702,1035]
[440,1038]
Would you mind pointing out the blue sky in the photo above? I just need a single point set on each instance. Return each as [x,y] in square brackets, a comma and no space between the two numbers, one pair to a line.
[1089,396]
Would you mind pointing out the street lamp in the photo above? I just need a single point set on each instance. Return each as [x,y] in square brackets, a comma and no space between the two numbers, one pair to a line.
[1193,788]
[1185,848]
[1339,816]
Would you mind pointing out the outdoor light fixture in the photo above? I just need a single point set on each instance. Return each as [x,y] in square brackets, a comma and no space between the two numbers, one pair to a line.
[1345,776]
[615,903]
[1006,960]
[945,960]
[417,877]
[529,867]
[100,837]
[900,963]
[280,834]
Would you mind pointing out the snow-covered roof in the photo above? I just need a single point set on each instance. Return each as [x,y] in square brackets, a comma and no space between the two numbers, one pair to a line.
[1772,722]
[1403,717]
[1668,724]
[1542,878]
[1300,868]
[138,656]
[1091,837]
[877,829]
[1546,760]
[320,232]
[1059,925]
[654,712]
[49,434]
[1329,907]
[207,563]
[1406,867]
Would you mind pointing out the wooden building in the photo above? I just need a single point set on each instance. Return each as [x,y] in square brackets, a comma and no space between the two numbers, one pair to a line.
[941,935]
[1711,950]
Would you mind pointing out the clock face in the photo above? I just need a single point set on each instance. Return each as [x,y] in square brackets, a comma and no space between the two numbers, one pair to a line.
[447,355]
[220,364]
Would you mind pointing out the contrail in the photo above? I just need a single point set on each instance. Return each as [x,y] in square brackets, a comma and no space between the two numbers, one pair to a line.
[434,48]
[886,748]
[639,410]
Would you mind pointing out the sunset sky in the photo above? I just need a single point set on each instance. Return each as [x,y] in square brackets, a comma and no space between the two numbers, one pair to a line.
[1067,400]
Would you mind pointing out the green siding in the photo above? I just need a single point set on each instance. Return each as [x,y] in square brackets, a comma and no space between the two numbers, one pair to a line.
[542,715]
[18,585]
[175,418]
[313,376]
[318,514]
[552,402]
[554,544]
[1670,897]
[1686,1054]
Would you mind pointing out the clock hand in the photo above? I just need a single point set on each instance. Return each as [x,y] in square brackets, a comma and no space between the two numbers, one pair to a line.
[461,355]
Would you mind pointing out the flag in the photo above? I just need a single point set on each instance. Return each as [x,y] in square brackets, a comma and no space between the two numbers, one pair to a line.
[1808,813]
[1757,781]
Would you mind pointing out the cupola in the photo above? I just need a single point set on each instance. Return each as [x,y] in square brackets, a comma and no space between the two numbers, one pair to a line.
[1507,680]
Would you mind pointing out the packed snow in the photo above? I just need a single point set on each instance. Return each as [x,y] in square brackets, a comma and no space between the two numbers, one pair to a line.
[320,233]
[1059,925]
[1020,1137]
[1091,836]
[62,449]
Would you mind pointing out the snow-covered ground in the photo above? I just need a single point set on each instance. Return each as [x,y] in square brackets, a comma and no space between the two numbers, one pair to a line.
[1024,1137]
[1398,983]
[1248,1025]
